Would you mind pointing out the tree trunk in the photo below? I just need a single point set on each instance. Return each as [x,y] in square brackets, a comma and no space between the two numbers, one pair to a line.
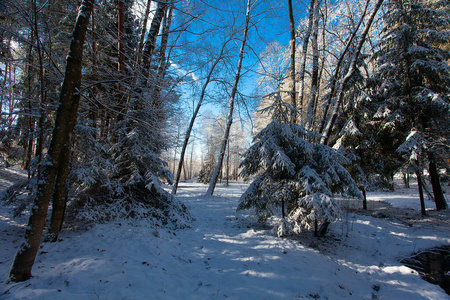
[348,76]
[334,79]
[64,125]
[59,199]
[213,182]
[120,102]
[304,55]
[150,43]
[292,65]
[435,183]
[160,73]
[363,191]
[194,116]
[315,69]
[419,185]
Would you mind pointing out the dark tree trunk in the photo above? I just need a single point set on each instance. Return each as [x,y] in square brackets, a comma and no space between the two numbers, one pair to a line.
[435,183]
[363,191]
[160,73]
[121,59]
[292,64]
[150,43]
[422,202]
[59,199]
[64,124]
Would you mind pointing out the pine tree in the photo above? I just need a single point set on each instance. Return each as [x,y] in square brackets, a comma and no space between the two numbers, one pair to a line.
[295,174]
[415,77]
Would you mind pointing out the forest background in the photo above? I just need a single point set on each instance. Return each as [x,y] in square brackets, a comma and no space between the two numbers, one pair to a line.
[152,91]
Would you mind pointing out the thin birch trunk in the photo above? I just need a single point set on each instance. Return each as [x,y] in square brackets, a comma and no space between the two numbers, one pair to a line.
[315,69]
[304,55]
[194,116]
[215,176]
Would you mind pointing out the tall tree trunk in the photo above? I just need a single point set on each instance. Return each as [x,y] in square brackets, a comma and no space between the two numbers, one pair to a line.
[292,64]
[435,183]
[161,71]
[59,199]
[337,69]
[143,32]
[213,182]
[42,110]
[315,69]
[304,55]
[348,76]
[121,59]
[194,116]
[419,185]
[150,43]
[64,125]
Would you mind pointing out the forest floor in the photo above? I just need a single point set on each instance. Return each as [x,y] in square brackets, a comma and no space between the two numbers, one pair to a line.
[228,254]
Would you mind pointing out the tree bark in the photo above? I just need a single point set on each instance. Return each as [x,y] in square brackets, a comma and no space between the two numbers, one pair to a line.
[315,69]
[64,125]
[304,54]
[161,71]
[213,182]
[150,43]
[292,66]
[419,185]
[435,183]
[121,58]
[59,199]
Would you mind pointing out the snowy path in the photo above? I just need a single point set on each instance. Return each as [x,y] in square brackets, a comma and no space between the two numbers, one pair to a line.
[226,254]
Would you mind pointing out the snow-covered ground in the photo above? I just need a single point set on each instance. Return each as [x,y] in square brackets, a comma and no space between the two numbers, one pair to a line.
[226,254]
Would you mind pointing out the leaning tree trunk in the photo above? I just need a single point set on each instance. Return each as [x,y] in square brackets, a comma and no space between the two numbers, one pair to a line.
[349,75]
[160,73]
[59,199]
[345,80]
[64,125]
[150,43]
[194,116]
[337,69]
[213,182]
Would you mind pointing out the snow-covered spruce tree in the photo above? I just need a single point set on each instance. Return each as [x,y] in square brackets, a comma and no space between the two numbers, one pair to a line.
[134,185]
[414,76]
[295,174]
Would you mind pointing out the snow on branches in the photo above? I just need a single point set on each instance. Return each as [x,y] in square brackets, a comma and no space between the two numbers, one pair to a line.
[294,173]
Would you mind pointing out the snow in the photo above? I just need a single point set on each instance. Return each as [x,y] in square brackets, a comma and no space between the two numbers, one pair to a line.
[226,254]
